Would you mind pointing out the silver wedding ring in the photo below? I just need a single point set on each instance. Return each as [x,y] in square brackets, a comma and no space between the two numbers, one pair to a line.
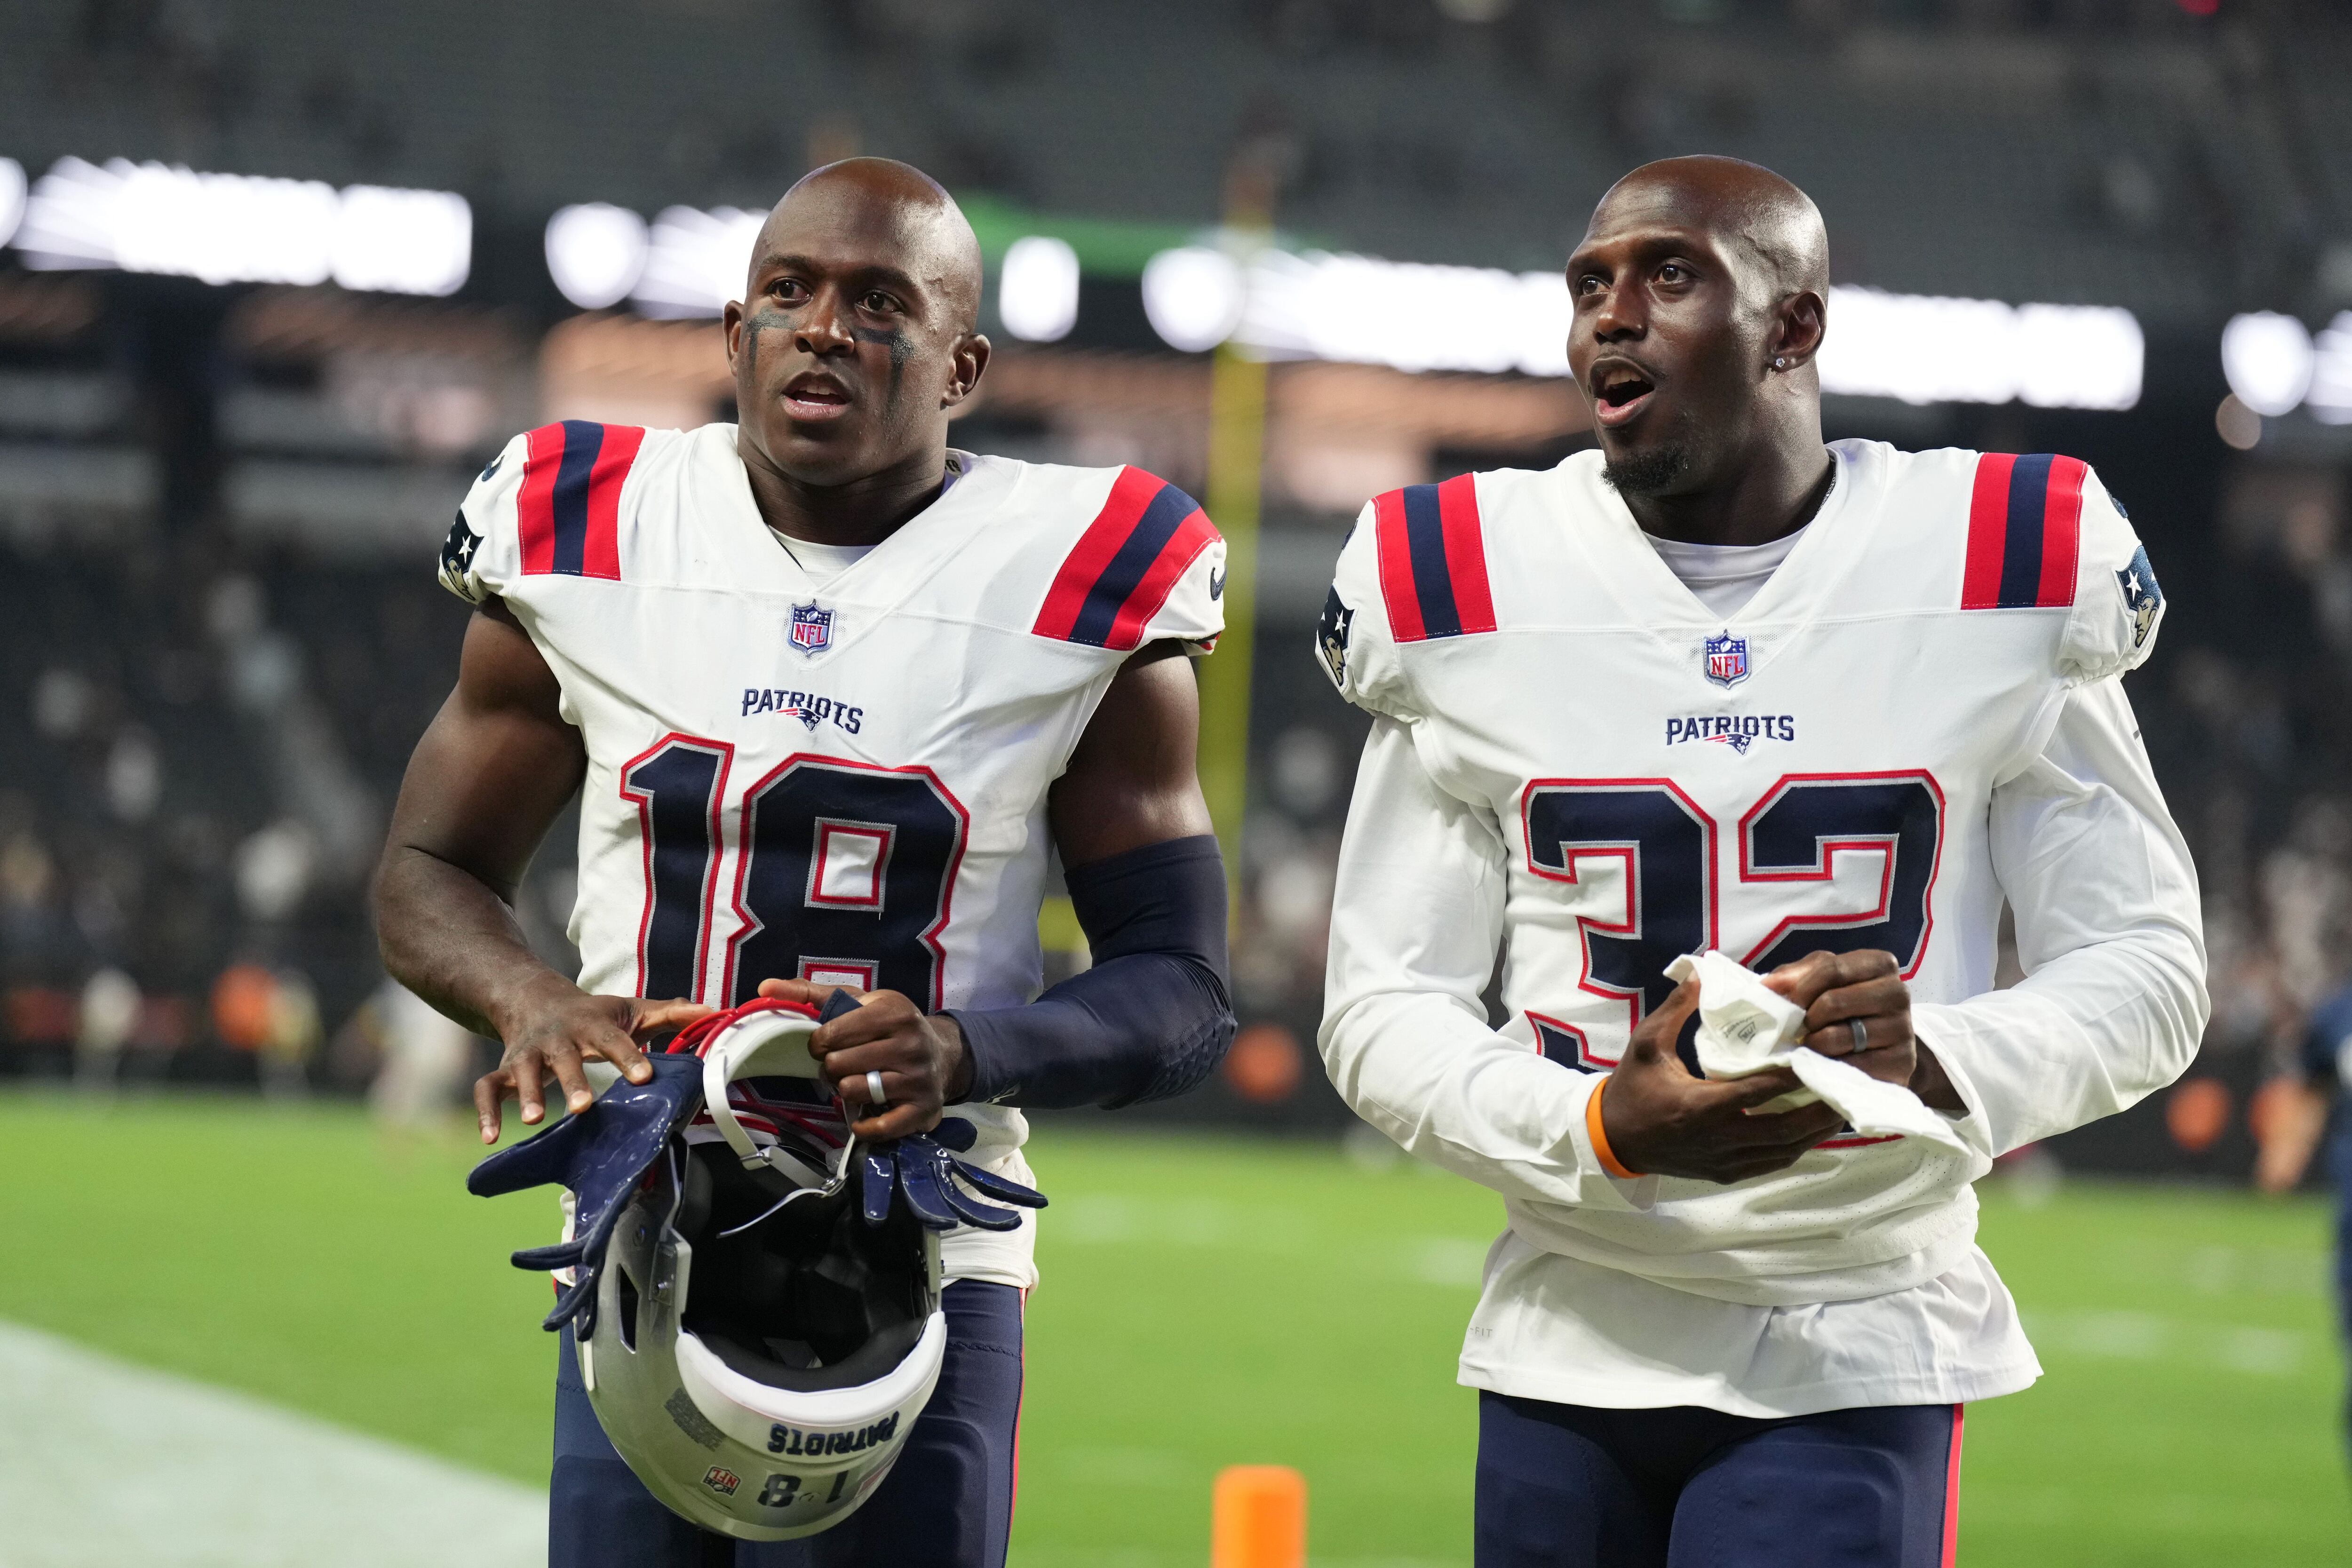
[874,1095]
[1861,1027]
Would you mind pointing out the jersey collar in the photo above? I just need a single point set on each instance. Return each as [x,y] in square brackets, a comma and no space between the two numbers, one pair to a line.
[1798,592]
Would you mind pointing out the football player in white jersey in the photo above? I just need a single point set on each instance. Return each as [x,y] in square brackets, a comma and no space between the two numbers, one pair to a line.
[829,694]
[1824,707]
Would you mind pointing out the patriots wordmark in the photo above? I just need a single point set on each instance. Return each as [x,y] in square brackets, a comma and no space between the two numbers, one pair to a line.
[1738,731]
[807,706]
[784,1439]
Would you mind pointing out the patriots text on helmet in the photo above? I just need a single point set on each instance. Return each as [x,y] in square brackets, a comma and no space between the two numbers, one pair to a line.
[784,1439]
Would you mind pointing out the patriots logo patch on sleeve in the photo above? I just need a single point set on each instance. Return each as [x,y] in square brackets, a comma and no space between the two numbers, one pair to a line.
[1331,637]
[2142,597]
[457,551]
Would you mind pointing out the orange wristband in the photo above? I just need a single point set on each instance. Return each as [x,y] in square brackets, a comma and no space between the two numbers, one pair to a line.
[1609,1161]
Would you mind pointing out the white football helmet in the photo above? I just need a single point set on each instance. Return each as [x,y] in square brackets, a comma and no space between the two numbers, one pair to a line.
[757,1350]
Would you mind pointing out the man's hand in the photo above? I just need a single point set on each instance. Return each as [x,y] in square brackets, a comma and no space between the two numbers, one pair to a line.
[1838,990]
[1662,1118]
[552,1030]
[921,1056]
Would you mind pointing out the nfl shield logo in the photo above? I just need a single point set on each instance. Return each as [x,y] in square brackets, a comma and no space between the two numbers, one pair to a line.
[811,627]
[1727,660]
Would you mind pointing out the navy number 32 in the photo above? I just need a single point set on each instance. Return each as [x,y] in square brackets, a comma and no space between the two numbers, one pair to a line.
[1665,847]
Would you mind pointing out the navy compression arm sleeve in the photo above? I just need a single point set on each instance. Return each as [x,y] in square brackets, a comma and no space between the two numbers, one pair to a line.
[1151,1019]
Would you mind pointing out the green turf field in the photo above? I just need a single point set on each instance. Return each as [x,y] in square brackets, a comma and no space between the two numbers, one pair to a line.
[1206,1302]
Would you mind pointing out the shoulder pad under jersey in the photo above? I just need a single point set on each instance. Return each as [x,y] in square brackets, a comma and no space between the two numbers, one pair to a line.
[1149,566]
[1414,571]
[548,504]
[2044,533]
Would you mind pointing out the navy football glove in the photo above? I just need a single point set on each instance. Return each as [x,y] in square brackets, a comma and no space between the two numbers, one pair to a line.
[921,1170]
[601,1153]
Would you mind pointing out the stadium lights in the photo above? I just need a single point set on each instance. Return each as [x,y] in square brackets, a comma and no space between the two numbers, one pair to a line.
[243,228]
[12,197]
[1930,350]
[1193,297]
[1366,312]
[2275,365]
[597,252]
[2330,398]
[1360,310]
[687,263]
[2269,360]
[1037,289]
[695,261]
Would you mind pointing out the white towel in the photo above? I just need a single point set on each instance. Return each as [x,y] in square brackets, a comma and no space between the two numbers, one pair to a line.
[1746,1027]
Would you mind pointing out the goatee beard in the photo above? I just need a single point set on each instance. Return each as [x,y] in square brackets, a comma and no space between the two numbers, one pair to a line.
[1647,473]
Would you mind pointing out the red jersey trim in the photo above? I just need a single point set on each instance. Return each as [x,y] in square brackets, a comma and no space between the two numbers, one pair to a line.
[2025,528]
[1433,558]
[1131,558]
[568,510]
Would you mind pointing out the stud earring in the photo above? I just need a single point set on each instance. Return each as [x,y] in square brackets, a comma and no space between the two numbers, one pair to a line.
[1779,363]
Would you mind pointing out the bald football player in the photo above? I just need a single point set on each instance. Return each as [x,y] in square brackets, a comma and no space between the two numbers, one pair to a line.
[868,683]
[1823,708]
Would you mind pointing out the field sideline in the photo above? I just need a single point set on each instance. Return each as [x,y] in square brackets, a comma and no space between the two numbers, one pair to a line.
[1206,1302]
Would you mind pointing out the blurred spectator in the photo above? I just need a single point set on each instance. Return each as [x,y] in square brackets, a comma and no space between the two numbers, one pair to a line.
[426,1060]
[109,1015]
[275,1015]
[2297,1119]
[294,1036]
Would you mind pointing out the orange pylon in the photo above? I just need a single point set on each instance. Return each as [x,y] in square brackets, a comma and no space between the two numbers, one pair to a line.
[1259,1517]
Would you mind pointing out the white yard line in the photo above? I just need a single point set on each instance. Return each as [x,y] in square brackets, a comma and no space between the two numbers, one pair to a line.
[103,1463]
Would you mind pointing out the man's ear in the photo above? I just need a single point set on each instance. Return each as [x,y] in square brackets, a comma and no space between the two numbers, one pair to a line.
[1803,320]
[967,363]
[731,324]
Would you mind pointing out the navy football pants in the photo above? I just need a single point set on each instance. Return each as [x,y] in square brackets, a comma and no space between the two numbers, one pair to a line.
[1567,1486]
[947,1503]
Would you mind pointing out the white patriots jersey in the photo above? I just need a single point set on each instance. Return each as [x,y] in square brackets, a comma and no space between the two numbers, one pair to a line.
[841,783]
[1624,778]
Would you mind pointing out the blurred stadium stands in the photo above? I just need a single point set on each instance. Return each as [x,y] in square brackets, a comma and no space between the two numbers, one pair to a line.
[220,634]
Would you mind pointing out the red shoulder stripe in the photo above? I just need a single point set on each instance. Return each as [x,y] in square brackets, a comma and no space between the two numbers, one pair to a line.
[1126,564]
[1396,567]
[1130,494]
[2025,528]
[535,504]
[1987,531]
[1433,556]
[600,551]
[1192,534]
[1465,552]
[568,507]
[2062,532]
